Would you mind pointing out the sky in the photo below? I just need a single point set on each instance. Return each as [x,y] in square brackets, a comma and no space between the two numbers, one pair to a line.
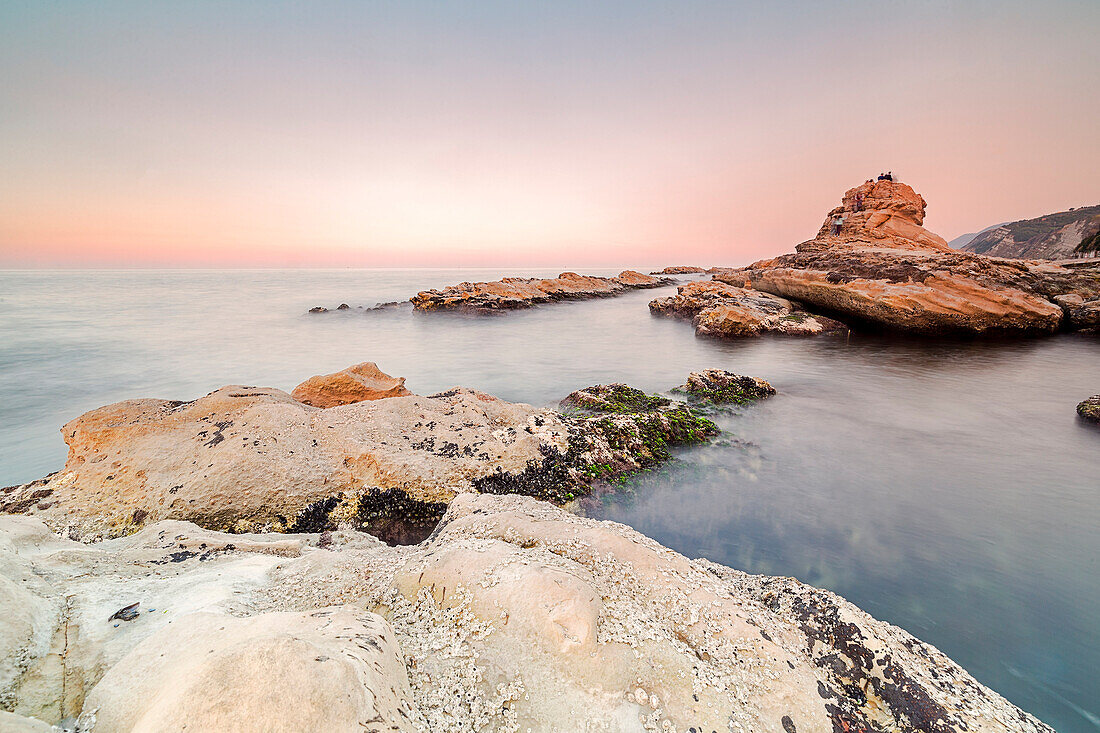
[419,134]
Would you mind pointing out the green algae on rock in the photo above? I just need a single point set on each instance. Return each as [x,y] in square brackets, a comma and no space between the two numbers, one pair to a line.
[722,387]
[1090,409]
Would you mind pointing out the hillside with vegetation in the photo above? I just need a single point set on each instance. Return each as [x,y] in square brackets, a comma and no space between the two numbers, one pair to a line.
[1054,236]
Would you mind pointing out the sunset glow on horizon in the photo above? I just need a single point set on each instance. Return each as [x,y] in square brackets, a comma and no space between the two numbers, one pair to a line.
[530,134]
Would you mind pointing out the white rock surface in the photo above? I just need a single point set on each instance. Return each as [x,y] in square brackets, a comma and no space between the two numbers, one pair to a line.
[514,615]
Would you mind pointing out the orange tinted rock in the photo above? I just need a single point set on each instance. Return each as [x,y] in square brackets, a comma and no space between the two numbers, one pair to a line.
[355,384]
[722,309]
[679,270]
[883,267]
[518,292]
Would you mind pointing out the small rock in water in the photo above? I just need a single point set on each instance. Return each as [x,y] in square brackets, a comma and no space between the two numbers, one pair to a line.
[318,309]
[1090,409]
[718,385]
[126,613]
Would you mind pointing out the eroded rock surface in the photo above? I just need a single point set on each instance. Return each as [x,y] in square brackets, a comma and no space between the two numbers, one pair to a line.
[518,292]
[357,383]
[724,310]
[514,615]
[883,267]
[248,458]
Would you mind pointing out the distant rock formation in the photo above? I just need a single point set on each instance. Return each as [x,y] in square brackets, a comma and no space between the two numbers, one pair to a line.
[1050,237]
[247,458]
[518,292]
[723,310]
[355,384]
[874,262]
[679,270]
[513,616]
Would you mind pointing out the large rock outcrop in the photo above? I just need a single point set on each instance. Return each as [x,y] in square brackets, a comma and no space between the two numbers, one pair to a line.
[883,267]
[246,458]
[724,310]
[519,292]
[513,616]
[357,383]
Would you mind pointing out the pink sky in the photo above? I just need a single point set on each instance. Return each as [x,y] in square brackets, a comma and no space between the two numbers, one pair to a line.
[529,134]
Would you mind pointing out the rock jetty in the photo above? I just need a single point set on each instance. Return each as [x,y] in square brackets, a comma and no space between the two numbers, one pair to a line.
[517,292]
[514,615]
[257,459]
[882,267]
[680,270]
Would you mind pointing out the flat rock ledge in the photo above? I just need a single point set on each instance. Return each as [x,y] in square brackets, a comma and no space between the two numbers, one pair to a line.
[245,459]
[722,310]
[511,293]
[514,615]
[1090,409]
[882,268]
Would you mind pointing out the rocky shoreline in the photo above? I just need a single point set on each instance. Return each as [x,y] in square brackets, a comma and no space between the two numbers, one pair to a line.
[201,565]
[511,293]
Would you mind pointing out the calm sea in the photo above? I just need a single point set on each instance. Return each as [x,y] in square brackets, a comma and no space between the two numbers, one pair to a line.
[945,486]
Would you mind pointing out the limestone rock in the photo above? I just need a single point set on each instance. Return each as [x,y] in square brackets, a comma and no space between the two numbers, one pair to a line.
[1090,409]
[355,384]
[514,615]
[336,668]
[719,386]
[518,292]
[725,310]
[248,458]
[884,268]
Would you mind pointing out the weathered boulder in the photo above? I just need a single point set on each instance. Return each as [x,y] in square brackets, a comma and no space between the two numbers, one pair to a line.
[1090,409]
[518,292]
[514,615]
[720,386]
[720,309]
[248,458]
[355,384]
[883,267]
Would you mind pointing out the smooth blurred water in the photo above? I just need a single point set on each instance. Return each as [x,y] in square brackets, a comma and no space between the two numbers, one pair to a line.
[945,486]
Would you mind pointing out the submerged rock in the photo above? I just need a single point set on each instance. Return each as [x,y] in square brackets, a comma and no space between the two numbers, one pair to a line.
[247,458]
[720,309]
[517,292]
[883,267]
[1090,409]
[355,384]
[720,386]
[513,616]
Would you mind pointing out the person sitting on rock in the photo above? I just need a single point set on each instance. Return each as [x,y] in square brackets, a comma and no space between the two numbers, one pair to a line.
[857,202]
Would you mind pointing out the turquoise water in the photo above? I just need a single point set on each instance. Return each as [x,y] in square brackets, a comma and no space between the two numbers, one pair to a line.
[945,486]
